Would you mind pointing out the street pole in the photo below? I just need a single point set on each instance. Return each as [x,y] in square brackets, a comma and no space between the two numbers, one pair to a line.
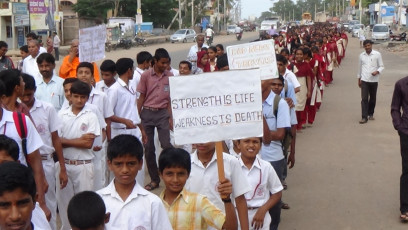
[192,14]
[139,13]
[400,13]
[225,14]
[360,8]
[379,13]
[218,15]
[179,13]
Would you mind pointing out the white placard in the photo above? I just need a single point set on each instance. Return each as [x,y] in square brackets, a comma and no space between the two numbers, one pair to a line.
[216,106]
[92,43]
[254,55]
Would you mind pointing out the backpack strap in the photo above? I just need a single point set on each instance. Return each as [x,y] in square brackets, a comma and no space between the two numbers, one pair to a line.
[286,88]
[21,126]
[276,105]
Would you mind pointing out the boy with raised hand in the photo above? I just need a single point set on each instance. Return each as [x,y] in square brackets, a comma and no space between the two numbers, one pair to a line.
[130,205]
[189,210]
[266,188]
[17,197]
[47,123]
[204,179]
[86,211]
[80,126]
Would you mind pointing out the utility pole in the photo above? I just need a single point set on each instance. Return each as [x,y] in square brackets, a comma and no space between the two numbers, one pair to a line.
[139,15]
[225,14]
[218,15]
[379,13]
[360,8]
[192,14]
[179,14]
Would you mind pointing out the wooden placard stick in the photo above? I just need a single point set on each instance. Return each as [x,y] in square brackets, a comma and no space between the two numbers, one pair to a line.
[220,161]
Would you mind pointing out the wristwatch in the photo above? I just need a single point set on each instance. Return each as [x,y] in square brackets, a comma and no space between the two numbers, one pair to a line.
[226,200]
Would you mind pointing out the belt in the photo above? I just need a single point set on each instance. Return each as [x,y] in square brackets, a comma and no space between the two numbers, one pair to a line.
[152,109]
[253,208]
[77,162]
[46,157]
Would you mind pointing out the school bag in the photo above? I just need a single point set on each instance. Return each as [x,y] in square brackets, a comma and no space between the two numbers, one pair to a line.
[287,140]
[21,126]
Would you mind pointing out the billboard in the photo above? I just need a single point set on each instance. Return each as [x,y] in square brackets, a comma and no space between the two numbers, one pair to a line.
[42,14]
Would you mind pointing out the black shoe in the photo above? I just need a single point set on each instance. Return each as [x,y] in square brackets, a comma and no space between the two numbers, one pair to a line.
[363,121]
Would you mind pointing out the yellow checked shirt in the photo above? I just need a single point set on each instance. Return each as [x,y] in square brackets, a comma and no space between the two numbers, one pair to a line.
[193,211]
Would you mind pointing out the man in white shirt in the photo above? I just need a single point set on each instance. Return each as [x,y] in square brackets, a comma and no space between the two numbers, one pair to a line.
[370,66]
[56,43]
[144,60]
[32,36]
[49,85]
[30,63]
[192,54]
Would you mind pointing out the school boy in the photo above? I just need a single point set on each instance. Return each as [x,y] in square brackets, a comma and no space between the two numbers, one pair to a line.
[17,197]
[188,210]
[144,60]
[108,74]
[9,152]
[79,128]
[131,206]
[266,189]
[204,179]
[154,109]
[47,123]
[86,211]
[274,132]
[8,128]
[101,101]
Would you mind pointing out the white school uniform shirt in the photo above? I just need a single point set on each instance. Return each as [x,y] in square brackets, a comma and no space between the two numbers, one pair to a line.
[205,180]
[175,72]
[123,101]
[291,77]
[262,180]
[369,63]
[102,87]
[8,128]
[273,151]
[141,210]
[74,126]
[137,74]
[101,101]
[30,66]
[51,92]
[47,121]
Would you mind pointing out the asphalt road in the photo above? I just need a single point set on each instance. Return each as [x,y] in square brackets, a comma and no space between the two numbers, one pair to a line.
[347,174]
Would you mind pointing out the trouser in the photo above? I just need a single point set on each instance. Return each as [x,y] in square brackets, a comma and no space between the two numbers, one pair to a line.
[50,196]
[328,77]
[99,162]
[266,222]
[301,119]
[368,98]
[404,175]
[275,211]
[318,104]
[80,178]
[310,112]
[135,132]
[150,120]
[56,49]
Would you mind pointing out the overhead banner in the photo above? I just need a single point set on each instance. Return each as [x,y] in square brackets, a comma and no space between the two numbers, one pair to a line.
[254,55]
[216,106]
[42,14]
[92,43]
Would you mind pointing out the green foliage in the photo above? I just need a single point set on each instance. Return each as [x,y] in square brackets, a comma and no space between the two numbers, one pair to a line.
[92,8]
[157,11]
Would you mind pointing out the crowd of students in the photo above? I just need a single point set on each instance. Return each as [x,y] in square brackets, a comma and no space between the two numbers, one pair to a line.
[84,131]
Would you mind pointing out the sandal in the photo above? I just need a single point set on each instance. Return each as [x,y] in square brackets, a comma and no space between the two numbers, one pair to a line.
[404,217]
[151,186]
[285,206]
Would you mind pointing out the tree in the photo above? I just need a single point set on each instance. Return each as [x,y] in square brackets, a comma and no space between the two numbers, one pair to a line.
[92,8]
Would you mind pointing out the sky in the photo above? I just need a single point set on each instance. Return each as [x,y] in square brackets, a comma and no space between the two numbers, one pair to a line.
[254,7]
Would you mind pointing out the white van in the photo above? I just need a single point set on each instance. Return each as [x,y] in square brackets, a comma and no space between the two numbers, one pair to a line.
[380,32]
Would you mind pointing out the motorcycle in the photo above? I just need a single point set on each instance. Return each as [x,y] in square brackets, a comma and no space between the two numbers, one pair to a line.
[398,37]
[139,41]
[124,43]
[238,36]
[209,40]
